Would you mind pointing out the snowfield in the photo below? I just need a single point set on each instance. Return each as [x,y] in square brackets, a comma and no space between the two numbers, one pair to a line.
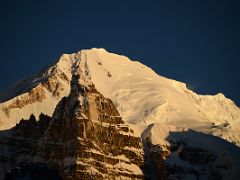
[143,97]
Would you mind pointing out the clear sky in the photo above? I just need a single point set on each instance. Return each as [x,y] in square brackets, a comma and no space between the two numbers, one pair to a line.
[194,41]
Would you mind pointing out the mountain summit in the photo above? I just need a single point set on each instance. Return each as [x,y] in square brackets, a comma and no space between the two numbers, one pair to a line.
[91,110]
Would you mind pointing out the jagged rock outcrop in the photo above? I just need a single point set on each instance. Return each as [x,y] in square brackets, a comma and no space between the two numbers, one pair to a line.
[19,144]
[85,139]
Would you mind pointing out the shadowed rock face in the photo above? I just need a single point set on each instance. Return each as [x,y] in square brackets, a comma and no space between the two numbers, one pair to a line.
[85,139]
[24,136]
[31,128]
[154,161]
[157,167]
[190,155]
[19,144]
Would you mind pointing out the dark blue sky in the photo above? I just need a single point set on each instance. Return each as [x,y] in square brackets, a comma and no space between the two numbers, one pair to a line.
[197,42]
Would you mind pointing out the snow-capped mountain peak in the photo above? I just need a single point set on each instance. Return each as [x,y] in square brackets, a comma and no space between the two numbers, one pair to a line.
[140,95]
[168,116]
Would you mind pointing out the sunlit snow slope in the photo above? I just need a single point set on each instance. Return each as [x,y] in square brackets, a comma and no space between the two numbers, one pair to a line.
[141,96]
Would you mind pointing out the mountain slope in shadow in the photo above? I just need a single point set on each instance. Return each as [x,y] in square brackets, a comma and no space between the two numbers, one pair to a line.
[188,154]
